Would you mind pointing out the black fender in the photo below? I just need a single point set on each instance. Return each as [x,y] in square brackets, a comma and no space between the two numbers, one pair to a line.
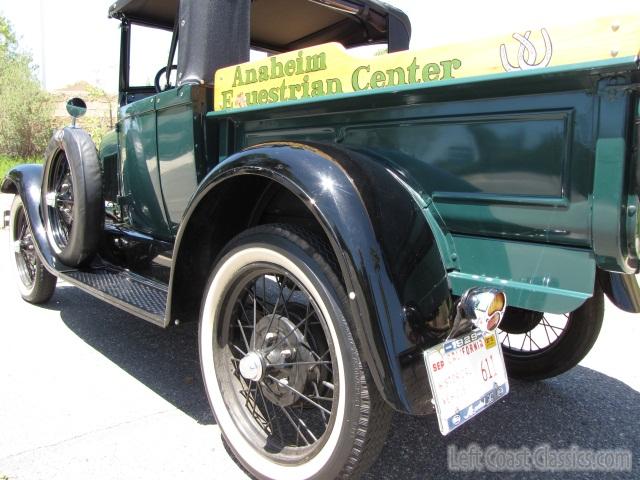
[387,253]
[621,289]
[26,181]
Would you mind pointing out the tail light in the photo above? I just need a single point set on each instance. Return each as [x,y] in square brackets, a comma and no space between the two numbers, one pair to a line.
[484,307]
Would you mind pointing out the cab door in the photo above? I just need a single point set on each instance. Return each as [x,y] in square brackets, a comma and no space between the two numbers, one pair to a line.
[141,199]
[179,149]
[144,53]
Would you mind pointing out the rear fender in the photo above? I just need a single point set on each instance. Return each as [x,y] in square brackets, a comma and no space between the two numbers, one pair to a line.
[387,253]
[621,289]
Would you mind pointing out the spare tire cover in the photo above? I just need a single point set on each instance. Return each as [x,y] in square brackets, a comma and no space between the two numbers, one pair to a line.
[72,206]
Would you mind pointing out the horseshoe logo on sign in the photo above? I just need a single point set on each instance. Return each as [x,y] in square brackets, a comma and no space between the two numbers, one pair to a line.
[527,54]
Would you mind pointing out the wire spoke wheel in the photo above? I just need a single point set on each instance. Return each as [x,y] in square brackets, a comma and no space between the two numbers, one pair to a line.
[548,331]
[35,283]
[281,373]
[281,369]
[60,202]
[24,250]
[540,345]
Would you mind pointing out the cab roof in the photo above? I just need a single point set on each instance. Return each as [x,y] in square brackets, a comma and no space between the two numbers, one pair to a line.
[285,25]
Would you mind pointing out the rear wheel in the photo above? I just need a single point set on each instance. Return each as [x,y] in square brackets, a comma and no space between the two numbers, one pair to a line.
[35,283]
[539,345]
[281,368]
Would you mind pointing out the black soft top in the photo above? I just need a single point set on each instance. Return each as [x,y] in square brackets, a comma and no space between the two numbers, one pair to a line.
[284,25]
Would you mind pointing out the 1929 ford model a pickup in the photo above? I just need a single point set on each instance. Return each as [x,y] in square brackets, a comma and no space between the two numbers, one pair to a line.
[348,230]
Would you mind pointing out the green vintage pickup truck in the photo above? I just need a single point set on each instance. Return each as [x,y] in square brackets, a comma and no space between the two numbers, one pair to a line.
[355,234]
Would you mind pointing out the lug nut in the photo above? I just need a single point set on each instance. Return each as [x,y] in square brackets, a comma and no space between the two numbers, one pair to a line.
[270,337]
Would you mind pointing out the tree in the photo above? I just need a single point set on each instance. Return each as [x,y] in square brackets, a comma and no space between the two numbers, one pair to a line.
[25,108]
[8,40]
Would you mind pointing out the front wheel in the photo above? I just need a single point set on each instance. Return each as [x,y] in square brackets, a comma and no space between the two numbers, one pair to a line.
[35,283]
[539,345]
[281,369]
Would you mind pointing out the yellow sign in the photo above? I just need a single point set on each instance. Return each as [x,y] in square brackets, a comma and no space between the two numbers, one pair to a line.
[330,70]
[489,341]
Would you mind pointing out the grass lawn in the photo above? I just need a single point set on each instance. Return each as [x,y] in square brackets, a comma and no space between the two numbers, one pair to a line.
[7,163]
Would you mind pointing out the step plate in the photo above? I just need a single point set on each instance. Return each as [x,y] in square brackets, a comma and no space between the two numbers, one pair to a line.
[131,292]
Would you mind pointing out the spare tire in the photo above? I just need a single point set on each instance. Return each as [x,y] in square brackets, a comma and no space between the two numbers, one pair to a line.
[72,206]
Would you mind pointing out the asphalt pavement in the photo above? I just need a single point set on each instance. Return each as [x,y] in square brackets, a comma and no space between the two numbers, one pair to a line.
[90,392]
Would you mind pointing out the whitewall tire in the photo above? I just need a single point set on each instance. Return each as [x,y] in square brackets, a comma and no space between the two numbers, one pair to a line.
[281,369]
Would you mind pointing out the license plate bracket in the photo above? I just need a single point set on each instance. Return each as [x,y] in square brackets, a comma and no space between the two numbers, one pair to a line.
[466,375]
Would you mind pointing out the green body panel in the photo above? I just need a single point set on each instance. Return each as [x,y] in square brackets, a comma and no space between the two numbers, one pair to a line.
[608,233]
[523,182]
[529,273]
[614,202]
[109,144]
[545,278]
[176,150]
[461,154]
[472,157]
[140,172]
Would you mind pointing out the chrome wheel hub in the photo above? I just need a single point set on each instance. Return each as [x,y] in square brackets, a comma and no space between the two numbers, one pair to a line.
[287,364]
[252,367]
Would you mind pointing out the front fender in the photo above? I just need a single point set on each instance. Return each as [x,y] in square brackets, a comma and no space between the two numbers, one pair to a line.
[26,181]
[386,250]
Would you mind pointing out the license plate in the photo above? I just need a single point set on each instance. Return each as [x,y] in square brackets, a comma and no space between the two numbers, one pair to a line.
[466,375]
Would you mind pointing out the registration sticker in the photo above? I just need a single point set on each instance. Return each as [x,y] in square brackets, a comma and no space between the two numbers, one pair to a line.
[466,375]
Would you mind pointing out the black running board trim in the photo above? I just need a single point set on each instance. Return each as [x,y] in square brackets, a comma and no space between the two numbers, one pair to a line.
[137,295]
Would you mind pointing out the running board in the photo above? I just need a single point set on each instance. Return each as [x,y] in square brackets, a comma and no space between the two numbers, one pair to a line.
[137,295]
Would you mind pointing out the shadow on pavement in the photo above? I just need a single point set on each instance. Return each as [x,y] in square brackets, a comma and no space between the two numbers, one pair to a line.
[583,407]
[165,360]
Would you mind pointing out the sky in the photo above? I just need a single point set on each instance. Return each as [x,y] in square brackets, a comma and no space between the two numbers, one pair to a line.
[73,40]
